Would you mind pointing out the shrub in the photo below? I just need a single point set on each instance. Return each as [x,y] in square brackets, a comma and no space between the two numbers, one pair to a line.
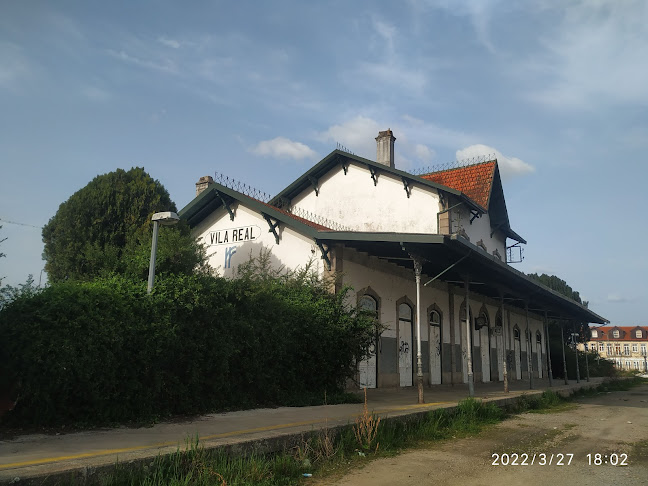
[105,351]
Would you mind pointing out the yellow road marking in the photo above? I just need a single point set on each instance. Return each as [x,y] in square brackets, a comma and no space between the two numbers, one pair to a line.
[106,452]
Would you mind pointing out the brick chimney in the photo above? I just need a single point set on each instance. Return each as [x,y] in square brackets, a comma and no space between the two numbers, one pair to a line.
[203,183]
[385,148]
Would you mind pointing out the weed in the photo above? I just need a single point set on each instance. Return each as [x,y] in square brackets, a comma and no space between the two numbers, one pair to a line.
[329,452]
[366,428]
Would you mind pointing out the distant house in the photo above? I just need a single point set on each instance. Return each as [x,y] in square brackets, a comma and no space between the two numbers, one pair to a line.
[413,248]
[625,346]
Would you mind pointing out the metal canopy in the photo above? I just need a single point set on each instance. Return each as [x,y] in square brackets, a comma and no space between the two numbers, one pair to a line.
[496,278]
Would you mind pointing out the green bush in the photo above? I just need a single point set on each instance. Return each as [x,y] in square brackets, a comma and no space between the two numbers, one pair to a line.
[105,351]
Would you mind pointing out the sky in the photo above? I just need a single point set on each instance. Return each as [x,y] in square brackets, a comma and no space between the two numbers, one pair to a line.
[261,91]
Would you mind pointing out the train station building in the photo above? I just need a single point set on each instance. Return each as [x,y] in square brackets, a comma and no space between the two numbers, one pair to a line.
[429,254]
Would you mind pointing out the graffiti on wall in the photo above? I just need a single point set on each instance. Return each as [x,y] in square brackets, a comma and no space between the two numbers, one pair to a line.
[229,251]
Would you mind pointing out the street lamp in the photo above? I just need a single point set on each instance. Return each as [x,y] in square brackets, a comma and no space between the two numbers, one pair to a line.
[166,219]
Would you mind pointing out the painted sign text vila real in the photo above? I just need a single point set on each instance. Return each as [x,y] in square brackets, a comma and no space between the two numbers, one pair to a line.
[233,235]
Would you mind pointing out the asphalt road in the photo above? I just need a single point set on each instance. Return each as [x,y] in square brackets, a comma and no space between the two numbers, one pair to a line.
[614,425]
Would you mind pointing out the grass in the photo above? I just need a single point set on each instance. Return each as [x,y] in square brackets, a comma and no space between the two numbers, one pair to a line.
[324,453]
[610,386]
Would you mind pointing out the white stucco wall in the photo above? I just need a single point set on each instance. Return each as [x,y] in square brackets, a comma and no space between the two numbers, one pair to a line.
[479,229]
[391,284]
[227,248]
[354,201]
[390,288]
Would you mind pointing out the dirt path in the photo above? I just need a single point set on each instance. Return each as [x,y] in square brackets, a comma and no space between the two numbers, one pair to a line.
[614,423]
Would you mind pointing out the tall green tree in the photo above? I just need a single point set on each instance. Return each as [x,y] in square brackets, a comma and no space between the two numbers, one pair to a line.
[105,228]
[559,285]
[582,329]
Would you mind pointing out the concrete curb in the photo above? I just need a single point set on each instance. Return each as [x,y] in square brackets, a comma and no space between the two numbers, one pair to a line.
[72,472]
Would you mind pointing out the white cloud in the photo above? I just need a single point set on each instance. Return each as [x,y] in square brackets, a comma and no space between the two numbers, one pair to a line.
[94,93]
[283,148]
[387,32]
[389,66]
[378,74]
[413,138]
[433,134]
[508,166]
[174,44]
[357,134]
[165,65]
[596,54]
[15,67]
[157,115]
[480,13]
[423,152]
[618,299]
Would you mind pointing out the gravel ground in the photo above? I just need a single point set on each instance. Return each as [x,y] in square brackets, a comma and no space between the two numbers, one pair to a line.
[609,424]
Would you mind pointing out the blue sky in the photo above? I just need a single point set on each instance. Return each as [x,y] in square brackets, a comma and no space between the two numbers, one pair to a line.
[261,91]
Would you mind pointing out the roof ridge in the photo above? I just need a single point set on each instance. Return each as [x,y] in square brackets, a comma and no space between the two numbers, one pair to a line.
[457,164]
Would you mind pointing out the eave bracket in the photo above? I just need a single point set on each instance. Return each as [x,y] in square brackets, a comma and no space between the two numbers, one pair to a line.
[407,187]
[374,174]
[326,253]
[227,201]
[345,166]
[314,182]
[273,226]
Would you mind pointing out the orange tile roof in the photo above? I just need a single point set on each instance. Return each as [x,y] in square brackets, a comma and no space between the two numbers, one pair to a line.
[475,181]
[628,336]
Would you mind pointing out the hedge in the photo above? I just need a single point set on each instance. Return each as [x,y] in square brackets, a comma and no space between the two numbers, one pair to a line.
[105,351]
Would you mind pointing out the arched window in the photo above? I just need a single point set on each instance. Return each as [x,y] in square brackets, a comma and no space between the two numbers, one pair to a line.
[538,338]
[483,319]
[435,318]
[369,304]
[516,333]
[405,328]
[404,313]
[462,312]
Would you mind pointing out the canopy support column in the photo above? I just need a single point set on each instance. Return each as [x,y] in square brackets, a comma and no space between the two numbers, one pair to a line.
[576,351]
[471,382]
[418,266]
[504,352]
[562,344]
[529,349]
[548,348]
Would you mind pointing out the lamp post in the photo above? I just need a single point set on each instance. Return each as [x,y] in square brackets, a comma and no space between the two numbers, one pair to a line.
[166,219]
